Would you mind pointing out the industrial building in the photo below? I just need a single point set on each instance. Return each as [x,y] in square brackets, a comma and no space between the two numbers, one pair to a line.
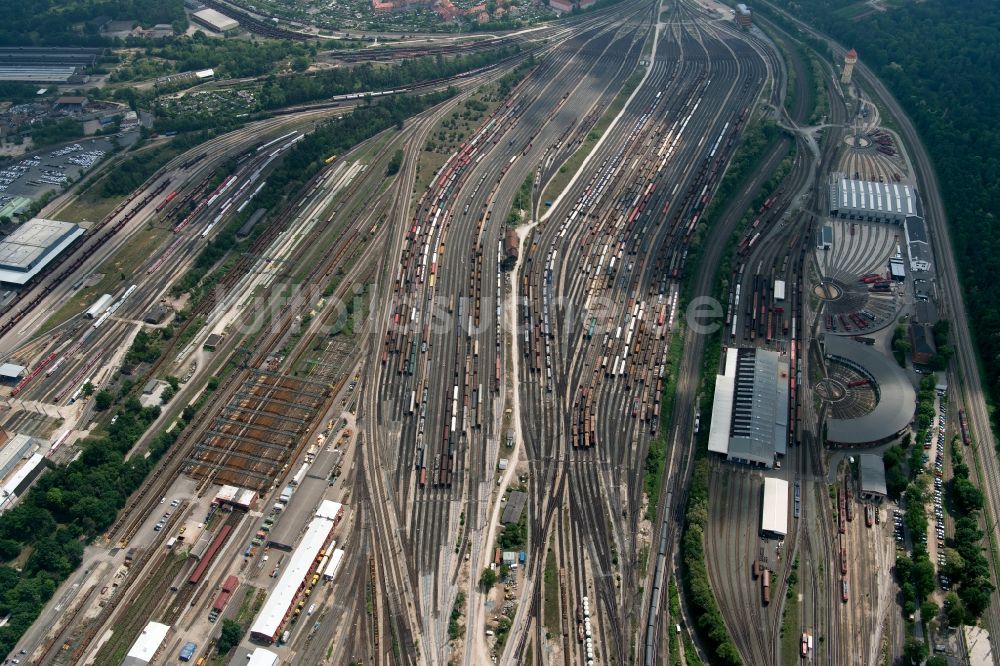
[774,513]
[11,372]
[238,498]
[868,201]
[515,505]
[279,605]
[19,482]
[32,246]
[825,239]
[872,472]
[212,342]
[896,269]
[894,394]
[214,20]
[70,103]
[14,452]
[46,64]
[750,411]
[262,657]
[148,644]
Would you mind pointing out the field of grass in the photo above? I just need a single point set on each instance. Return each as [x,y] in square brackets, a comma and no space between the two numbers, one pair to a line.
[790,621]
[88,208]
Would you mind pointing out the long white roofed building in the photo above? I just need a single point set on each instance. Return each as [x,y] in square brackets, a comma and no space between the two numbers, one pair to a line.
[868,201]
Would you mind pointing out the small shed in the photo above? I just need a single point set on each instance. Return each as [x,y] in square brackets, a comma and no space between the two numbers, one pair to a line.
[213,342]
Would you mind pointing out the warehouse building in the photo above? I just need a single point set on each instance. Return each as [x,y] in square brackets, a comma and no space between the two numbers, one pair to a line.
[262,657]
[148,644]
[14,452]
[750,411]
[11,373]
[872,472]
[915,231]
[295,578]
[32,246]
[774,514]
[894,395]
[46,64]
[336,559]
[515,505]
[922,343]
[214,20]
[237,498]
[868,201]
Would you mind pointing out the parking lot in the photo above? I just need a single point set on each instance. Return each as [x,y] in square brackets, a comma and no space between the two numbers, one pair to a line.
[52,169]
[934,453]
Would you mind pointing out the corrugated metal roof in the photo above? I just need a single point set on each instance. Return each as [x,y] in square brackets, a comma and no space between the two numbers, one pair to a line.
[279,602]
[896,396]
[722,406]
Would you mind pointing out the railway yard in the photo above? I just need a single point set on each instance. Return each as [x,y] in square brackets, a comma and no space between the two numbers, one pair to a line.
[408,424]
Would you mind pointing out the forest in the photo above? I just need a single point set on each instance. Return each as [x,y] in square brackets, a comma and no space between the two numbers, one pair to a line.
[66,22]
[940,60]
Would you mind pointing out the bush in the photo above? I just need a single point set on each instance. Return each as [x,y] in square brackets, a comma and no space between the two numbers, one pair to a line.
[103,400]
[488,579]
[230,637]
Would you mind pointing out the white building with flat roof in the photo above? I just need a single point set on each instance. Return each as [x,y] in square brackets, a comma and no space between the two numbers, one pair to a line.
[32,246]
[147,645]
[280,603]
[774,515]
[869,201]
[215,20]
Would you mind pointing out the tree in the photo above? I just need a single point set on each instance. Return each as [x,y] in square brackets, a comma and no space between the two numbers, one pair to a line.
[936,660]
[954,610]
[394,163]
[103,400]
[88,389]
[230,637]
[915,650]
[300,64]
[488,579]
[9,549]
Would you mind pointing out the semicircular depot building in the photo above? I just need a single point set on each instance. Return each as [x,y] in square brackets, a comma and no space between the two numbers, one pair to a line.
[895,395]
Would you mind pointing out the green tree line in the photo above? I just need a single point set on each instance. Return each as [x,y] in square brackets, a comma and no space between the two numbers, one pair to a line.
[289,90]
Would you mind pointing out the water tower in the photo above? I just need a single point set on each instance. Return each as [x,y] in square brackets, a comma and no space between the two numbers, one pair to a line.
[850,58]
